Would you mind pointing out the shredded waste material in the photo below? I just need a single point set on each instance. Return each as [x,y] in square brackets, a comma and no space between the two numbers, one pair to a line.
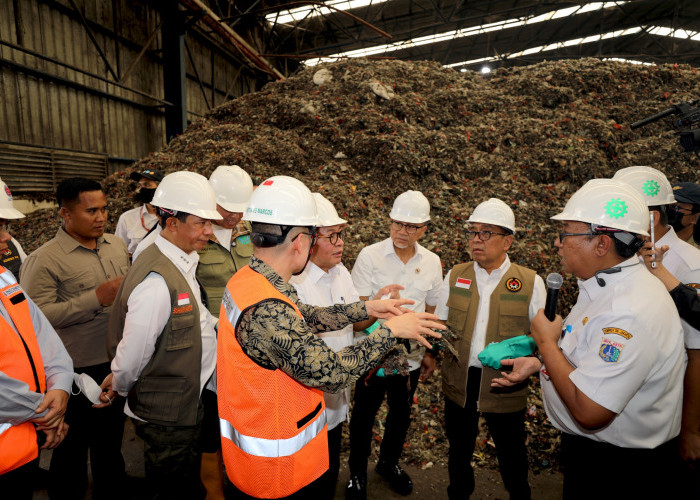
[361,132]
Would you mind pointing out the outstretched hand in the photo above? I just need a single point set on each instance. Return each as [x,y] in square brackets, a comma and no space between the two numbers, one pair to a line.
[523,367]
[414,326]
[388,308]
[391,290]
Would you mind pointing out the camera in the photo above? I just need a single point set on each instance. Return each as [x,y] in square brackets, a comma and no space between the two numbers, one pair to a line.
[686,120]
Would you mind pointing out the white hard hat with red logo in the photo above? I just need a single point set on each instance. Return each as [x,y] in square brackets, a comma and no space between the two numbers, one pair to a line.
[7,210]
[282,200]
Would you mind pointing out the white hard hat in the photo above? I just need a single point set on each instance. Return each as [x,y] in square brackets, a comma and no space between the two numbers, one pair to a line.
[494,211]
[233,187]
[7,210]
[411,206]
[652,184]
[327,214]
[187,192]
[282,200]
[608,202]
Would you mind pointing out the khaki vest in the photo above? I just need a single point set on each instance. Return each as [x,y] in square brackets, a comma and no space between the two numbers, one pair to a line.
[167,390]
[217,265]
[508,317]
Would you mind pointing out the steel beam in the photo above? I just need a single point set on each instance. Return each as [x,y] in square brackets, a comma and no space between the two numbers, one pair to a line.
[174,78]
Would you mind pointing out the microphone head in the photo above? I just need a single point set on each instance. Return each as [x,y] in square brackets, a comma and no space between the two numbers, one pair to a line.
[554,280]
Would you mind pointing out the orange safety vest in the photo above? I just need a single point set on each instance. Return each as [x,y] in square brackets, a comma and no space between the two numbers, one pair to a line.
[274,435]
[20,359]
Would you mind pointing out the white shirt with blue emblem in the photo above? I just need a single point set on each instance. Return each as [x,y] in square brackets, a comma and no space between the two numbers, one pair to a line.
[625,342]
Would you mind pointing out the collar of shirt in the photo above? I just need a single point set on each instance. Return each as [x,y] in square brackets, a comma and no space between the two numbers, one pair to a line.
[388,249]
[275,279]
[593,290]
[222,235]
[68,243]
[187,263]
[495,275]
[316,274]
[670,238]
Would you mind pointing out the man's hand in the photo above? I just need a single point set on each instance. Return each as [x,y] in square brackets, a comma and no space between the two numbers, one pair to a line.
[109,394]
[690,447]
[414,326]
[55,401]
[391,290]
[387,309]
[652,254]
[107,291]
[523,367]
[55,436]
[545,331]
[427,367]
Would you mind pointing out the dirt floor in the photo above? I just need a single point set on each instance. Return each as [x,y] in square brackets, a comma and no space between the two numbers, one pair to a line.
[429,483]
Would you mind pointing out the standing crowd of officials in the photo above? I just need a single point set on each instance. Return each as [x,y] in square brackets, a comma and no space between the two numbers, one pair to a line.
[220,318]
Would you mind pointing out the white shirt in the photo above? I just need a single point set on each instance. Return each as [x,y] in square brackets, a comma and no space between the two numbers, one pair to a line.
[223,236]
[378,265]
[145,243]
[683,261]
[318,288]
[486,283]
[149,308]
[625,341]
[133,225]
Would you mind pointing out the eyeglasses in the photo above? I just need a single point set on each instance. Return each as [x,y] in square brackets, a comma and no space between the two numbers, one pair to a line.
[311,234]
[483,235]
[681,210]
[333,237]
[561,234]
[410,228]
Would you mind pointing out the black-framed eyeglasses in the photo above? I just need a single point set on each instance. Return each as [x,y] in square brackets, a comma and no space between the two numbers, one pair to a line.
[333,237]
[410,228]
[484,235]
[311,234]
[561,234]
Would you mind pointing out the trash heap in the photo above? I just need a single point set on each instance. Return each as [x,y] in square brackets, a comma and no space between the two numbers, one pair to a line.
[361,132]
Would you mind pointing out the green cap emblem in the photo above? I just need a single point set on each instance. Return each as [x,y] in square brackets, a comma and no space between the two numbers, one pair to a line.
[651,188]
[616,208]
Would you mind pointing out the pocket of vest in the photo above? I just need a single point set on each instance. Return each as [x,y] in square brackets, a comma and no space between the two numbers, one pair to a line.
[159,398]
[181,336]
[514,318]
[458,312]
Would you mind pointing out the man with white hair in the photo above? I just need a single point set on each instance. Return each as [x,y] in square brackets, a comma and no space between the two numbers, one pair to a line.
[484,301]
[399,260]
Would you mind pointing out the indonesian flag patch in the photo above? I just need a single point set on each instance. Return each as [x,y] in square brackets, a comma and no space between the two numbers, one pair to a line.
[183,299]
[463,283]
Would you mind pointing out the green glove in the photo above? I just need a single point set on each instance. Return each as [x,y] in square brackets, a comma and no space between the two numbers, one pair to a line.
[371,328]
[381,373]
[514,347]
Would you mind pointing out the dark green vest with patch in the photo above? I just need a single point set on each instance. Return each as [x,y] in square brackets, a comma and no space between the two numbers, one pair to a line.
[167,390]
[508,317]
[9,259]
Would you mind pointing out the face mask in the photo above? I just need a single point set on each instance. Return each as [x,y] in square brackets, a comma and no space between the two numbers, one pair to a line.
[144,195]
[675,220]
[88,387]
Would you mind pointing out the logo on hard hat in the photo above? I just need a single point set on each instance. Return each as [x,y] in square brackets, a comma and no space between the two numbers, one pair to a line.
[7,191]
[616,208]
[651,188]
[514,284]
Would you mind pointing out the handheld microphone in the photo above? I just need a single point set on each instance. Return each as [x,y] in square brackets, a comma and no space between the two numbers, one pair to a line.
[554,282]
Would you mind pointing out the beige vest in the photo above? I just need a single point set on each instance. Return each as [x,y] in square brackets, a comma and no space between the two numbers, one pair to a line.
[167,391]
[508,317]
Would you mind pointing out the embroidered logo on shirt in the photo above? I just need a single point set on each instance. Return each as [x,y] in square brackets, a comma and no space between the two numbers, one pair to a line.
[6,251]
[463,283]
[182,309]
[183,299]
[585,320]
[514,284]
[618,331]
[610,350]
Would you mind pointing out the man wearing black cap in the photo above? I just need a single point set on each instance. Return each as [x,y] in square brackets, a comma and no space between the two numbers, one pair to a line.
[136,223]
[683,215]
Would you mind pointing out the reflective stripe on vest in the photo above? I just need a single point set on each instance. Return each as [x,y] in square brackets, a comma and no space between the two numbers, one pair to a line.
[4,427]
[7,279]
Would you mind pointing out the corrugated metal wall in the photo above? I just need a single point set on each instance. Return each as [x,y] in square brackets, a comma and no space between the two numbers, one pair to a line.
[77,105]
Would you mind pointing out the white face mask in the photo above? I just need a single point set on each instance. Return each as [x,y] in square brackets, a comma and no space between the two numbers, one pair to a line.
[88,387]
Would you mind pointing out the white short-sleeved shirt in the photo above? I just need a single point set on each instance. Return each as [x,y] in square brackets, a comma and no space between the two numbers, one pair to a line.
[625,342]
[133,225]
[486,283]
[683,261]
[378,265]
[149,309]
[146,242]
[319,288]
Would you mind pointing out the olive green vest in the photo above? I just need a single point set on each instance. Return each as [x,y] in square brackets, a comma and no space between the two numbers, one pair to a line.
[508,317]
[217,265]
[167,390]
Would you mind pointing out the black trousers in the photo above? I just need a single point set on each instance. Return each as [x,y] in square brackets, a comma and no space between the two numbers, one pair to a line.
[18,484]
[604,471]
[330,477]
[312,491]
[508,433]
[98,431]
[369,395]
